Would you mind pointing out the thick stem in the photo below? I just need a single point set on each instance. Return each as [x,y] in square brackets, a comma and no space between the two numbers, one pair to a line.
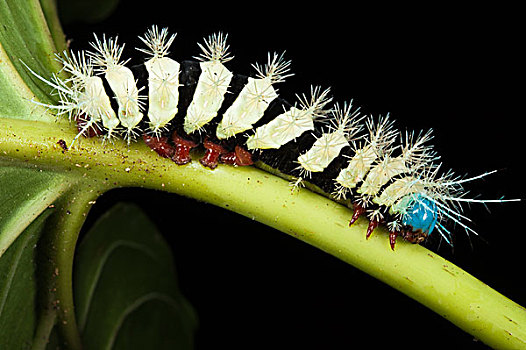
[72,212]
[58,249]
[412,269]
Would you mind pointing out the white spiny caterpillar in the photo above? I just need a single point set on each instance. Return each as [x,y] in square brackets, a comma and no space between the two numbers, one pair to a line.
[353,158]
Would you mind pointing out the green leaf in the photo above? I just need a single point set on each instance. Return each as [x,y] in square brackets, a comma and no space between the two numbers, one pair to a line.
[25,38]
[125,287]
[18,288]
[24,195]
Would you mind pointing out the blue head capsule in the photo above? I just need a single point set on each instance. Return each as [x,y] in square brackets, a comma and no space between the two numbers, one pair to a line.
[421,213]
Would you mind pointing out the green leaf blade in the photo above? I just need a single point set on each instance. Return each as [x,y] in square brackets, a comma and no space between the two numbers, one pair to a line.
[25,194]
[124,275]
[18,288]
[25,37]
[159,315]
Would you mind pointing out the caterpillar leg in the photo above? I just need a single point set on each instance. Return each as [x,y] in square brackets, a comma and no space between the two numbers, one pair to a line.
[392,238]
[160,145]
[239,157]
[372,225]
[358,211]
[183,147]
[212,154]
[415,237]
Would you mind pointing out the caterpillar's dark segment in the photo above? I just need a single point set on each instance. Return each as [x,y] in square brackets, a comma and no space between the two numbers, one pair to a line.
[189,74]
[240,120]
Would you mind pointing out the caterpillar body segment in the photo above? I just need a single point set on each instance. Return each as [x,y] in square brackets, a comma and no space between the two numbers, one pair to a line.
[163,78]
[286,127]
[247,109]
[392,195]
[163,97]
[212,85]
[391,178]
[292,123]
[92,97]
[98,107]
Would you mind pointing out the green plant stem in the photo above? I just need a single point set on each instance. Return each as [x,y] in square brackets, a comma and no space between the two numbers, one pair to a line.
[44,327]
[72,211]
[312,218]
[58,249]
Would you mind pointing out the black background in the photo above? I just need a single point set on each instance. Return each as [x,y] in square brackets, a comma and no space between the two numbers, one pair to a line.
[456,70]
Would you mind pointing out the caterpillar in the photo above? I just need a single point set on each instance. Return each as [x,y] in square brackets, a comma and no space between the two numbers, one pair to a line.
[392,178]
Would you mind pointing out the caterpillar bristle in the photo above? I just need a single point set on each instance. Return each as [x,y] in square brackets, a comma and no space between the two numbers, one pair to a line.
[317,102]
[276,69]
[382,135]
[416,150]
[77,66]
[346,120]
[107,53]
[157,42]
[215,48]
